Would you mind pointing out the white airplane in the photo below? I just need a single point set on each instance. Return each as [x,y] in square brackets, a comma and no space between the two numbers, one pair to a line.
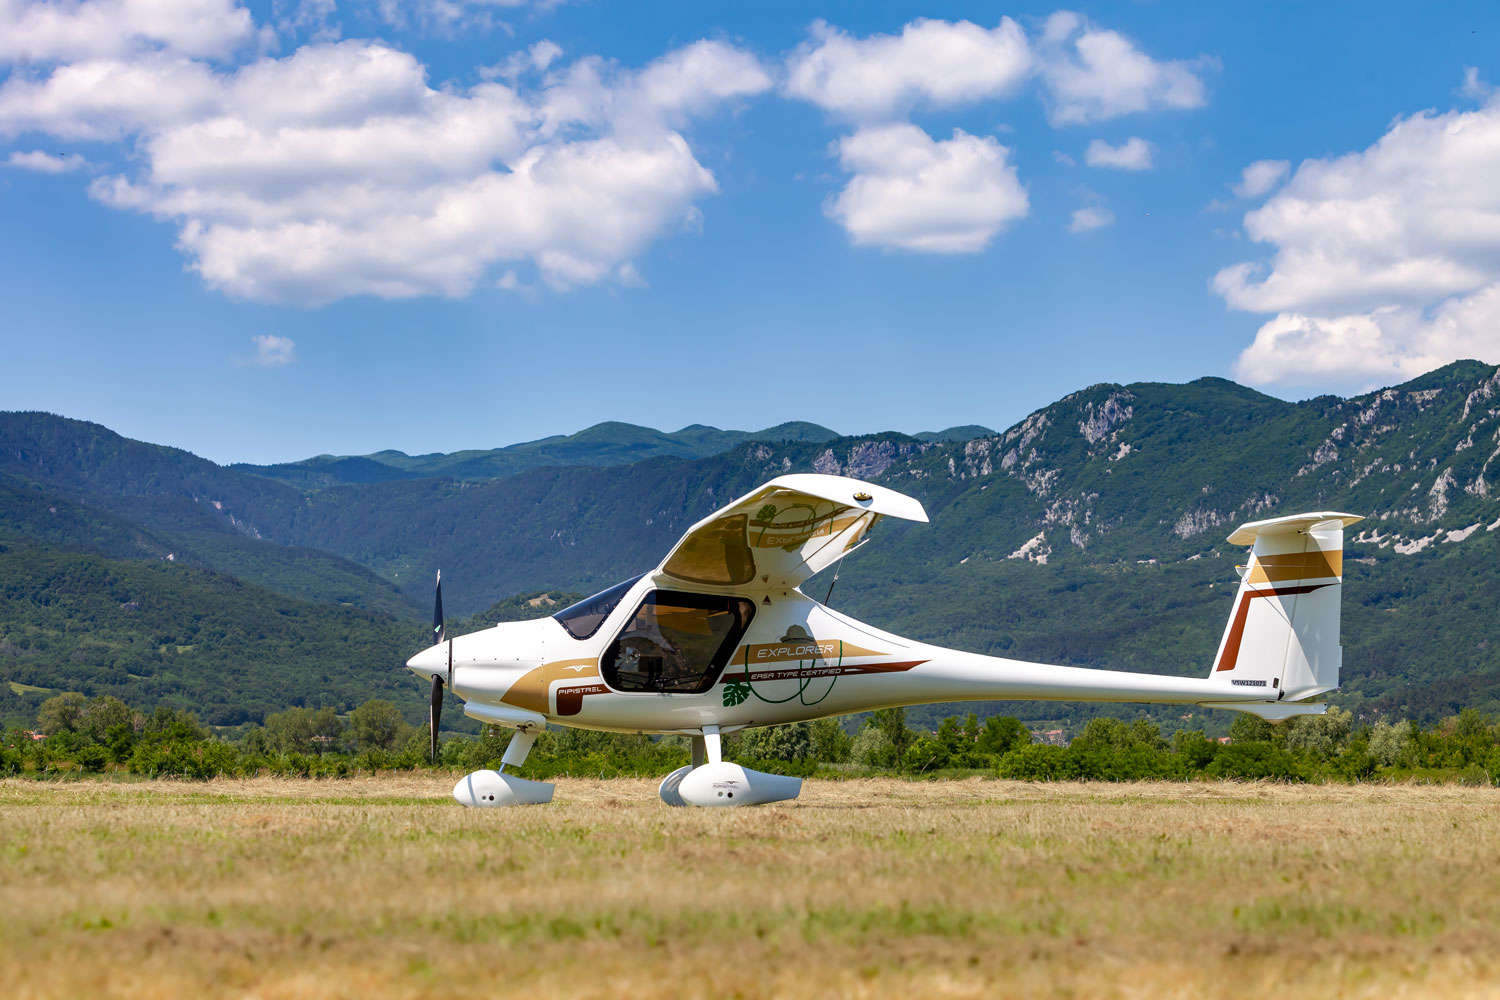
[719,638]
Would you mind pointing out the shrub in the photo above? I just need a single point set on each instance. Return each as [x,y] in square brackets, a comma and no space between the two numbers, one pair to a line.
[1039,762]
[92,758]
[1254,761]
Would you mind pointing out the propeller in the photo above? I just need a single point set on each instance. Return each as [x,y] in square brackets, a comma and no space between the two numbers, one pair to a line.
[439,633]
[435,712]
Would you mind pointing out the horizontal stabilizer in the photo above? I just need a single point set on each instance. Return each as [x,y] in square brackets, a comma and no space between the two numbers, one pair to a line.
[1272,711]
[1246,534]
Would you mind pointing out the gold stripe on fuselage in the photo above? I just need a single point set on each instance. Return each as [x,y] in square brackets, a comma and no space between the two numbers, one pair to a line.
[532,690]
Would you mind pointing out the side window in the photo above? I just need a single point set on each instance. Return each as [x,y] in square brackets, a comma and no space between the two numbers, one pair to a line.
[676,642]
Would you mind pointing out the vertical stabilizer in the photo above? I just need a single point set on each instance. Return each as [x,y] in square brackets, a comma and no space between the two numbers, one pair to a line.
[1283,632]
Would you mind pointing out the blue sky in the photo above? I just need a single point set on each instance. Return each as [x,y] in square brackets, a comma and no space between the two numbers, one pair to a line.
[272,231]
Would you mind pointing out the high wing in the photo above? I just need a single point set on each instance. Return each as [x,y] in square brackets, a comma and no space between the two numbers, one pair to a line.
[783,532]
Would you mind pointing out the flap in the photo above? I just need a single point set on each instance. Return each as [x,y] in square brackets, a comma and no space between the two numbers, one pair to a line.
[784,532]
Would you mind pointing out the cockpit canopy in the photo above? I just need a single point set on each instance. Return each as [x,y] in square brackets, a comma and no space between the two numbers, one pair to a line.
[675,641]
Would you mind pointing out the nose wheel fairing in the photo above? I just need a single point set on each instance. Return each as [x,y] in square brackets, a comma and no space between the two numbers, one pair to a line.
[491,789]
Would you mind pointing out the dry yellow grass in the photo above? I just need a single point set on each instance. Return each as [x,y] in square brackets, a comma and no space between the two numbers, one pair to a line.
[383,887]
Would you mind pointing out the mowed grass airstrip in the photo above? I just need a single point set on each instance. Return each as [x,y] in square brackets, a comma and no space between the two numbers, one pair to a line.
[383,887]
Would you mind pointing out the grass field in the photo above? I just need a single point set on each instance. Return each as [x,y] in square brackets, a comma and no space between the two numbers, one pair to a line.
[383,887]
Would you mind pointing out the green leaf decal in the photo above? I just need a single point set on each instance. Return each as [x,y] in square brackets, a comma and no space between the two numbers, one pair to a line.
[735,692]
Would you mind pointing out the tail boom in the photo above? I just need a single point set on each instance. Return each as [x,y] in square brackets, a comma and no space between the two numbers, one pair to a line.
[1281,644]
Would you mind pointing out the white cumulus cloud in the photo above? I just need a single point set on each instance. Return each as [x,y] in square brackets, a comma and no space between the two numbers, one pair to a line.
[339,169]
[913,193]
[1474,87]
[1386,261]
[271,351]
[109,99]
[1090,74]
[931,63]
[450,18]
[1089,218]
[1260,177]
[46,163]
[1086,73]
[1132,154]
[73,30]
[955,195]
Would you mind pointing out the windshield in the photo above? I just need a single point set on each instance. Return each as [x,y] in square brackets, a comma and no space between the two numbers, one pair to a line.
[584,618]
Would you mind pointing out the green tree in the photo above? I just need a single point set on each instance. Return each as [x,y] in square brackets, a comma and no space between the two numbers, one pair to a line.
[304,730]
[61,713]
[1002,734]
[892,724]
[1473,733]
[377,725]
[120,739]
[793,742]
[1389,742]
[1247,728]
[871,748]
[830,744]
[174,725]
[1323,736]
[103,713]
[1103,733]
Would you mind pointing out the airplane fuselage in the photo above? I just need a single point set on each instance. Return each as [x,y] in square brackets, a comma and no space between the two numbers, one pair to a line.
[795,660]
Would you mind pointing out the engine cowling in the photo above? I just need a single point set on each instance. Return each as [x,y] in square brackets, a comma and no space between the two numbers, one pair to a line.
[727,784]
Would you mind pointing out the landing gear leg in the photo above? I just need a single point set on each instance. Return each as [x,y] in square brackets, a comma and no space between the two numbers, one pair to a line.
[517,749]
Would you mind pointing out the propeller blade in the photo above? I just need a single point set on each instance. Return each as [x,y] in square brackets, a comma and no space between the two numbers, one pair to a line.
[439,630]
[435,712]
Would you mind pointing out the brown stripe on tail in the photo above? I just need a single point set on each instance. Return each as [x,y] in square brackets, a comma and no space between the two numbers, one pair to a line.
[1314,564]
[1231,653]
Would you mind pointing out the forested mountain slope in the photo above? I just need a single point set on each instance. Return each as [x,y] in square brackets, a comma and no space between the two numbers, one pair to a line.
[34,515]
[1091,532]
[156,633]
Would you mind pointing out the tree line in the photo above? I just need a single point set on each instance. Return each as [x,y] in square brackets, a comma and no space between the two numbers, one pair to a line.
[74,733]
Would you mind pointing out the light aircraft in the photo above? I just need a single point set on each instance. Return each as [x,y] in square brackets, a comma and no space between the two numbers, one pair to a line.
[720,638]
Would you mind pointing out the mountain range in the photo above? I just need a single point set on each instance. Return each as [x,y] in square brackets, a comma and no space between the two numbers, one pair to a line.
[611,443]
[1089,533]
